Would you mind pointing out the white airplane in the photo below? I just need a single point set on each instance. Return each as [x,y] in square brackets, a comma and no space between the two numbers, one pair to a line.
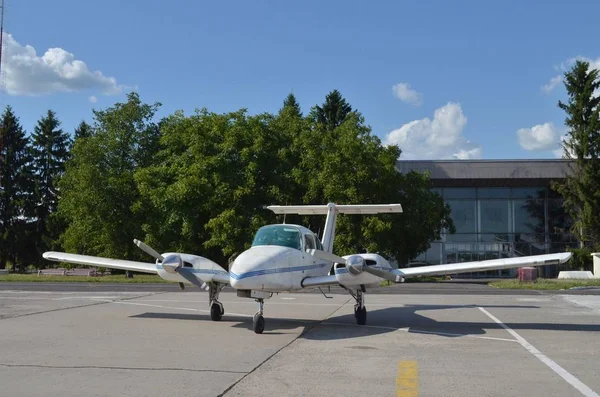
[286,258]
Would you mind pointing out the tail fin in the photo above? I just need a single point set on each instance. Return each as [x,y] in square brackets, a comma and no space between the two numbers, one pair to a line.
[331,210]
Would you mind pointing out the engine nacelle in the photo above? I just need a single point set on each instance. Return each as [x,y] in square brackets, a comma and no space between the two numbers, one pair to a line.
[355,264]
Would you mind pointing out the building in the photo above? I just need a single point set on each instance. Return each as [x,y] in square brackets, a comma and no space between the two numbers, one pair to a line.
[501,208]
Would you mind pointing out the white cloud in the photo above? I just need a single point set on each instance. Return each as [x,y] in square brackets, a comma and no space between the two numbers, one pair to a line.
[539,137]
[93,99]
[406,94]
[552,84]
[57,70]
[565,66]
[440,138]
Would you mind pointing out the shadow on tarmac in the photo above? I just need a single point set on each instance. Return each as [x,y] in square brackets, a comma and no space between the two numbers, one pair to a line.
[381,321]
[272,324]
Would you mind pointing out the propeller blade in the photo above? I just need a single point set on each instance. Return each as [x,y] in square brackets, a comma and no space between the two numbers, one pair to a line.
[327,256]
[385,274]
[147,249]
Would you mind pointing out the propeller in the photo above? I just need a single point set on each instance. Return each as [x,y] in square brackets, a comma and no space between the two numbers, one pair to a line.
[355,265]
[171,264]
[149,250]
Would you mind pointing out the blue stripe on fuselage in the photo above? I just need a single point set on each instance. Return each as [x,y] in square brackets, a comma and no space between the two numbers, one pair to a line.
[263,272]
[253,273]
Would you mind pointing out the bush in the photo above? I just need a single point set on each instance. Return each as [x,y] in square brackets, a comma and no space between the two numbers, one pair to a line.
[581,259]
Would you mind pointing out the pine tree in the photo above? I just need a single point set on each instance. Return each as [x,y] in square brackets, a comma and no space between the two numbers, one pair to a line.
[333,112]
[16,189]
[580,190]
[50,149]
[83,130]
[290,104]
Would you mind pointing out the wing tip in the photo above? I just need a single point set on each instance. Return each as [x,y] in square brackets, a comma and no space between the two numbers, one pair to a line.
[48,255]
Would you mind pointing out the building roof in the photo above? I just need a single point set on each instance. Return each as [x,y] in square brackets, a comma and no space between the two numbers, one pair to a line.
[489,172]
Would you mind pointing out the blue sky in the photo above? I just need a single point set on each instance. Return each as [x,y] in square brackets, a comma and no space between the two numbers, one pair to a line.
[442,79]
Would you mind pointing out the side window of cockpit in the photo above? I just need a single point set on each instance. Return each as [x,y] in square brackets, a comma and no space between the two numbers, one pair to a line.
[309,242]
[319,245]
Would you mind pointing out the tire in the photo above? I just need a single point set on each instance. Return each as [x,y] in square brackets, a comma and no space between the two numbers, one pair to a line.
[361,316]
[215,312]
[258,323]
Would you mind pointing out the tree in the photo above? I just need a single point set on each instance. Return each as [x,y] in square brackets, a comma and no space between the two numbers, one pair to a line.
[349,165]
[50,149]
[83,130]
[16,191]
[291,106]
[581,189]
[100,199]
[211,178]
[333,112]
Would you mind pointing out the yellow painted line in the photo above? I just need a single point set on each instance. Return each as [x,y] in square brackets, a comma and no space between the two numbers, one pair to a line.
[407,383]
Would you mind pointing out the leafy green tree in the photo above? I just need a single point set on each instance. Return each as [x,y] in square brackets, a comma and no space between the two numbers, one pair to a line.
[99,196]
[50,149]
[581,189]
[349,165]
[83,130]
[212,177]
[16,190]
[333,112]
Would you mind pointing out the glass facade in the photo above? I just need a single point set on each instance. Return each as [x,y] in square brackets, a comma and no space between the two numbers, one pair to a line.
[502,222]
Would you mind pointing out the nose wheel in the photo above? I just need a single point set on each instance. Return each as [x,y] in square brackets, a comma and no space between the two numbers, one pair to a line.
[258,321]
[216,307]
[360,311]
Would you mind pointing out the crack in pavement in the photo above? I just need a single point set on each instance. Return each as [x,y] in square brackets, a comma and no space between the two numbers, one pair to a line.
[119,368]
[306,330]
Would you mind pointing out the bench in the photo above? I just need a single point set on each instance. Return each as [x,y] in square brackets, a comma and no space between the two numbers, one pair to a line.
[52,272]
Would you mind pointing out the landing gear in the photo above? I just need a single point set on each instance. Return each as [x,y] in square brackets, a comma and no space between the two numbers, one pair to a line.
[216,312]
[258,322]
[216,307]
[360,311]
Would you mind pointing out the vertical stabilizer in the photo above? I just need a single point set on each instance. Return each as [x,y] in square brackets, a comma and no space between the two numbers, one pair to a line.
[329,231]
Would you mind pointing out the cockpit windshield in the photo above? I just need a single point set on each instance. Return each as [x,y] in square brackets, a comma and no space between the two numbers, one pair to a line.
[282,235]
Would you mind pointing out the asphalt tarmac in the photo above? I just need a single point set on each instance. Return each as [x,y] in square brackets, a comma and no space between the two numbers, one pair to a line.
[139,340]
[456,287]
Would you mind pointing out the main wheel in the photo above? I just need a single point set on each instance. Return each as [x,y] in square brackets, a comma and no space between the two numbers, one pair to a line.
[216,312]
[258,323]
[361,316]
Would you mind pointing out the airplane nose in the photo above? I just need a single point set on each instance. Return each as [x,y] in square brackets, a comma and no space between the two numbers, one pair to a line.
[246,270]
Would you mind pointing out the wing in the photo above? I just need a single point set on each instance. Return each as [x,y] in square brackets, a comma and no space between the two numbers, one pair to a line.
[493,264]
[101,262]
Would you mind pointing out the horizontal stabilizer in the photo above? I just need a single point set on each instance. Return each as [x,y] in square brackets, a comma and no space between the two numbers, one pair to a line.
[101,262]
[341,209]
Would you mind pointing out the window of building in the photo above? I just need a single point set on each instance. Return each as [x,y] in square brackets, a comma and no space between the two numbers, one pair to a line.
[494,216]
[529,216]
[464,215]
[528,192]
[459,192]
[493,192]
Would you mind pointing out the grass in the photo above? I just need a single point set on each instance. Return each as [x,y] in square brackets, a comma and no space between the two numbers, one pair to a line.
[544,284]
[113,278]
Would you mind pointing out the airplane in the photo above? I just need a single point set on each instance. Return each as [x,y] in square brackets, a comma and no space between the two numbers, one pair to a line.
[287,257]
